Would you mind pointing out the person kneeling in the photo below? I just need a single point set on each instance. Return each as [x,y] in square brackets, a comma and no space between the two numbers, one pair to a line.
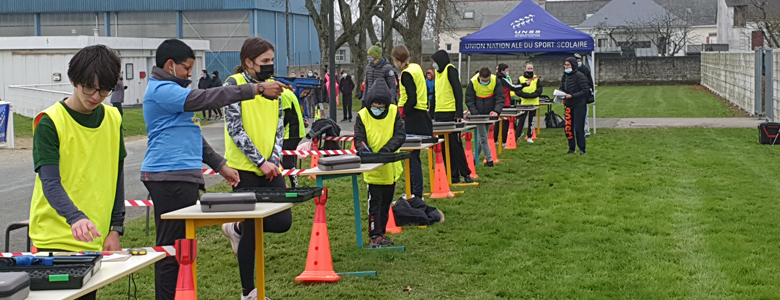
[379,128]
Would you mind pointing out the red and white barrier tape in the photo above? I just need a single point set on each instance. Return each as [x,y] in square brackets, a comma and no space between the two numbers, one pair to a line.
[135,203]
[209,172]
[168,250]
[293,172]
[319,152]
[338,138]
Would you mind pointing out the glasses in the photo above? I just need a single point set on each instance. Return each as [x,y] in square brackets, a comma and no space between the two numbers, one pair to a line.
[91,91]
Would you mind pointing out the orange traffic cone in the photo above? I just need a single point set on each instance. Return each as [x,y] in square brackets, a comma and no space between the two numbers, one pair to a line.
[511,140]
[315,159]
[470,156]
[186,251]
[391,227]
[441,187]
[492,143]
[353,145]
[533,135]
[319,266]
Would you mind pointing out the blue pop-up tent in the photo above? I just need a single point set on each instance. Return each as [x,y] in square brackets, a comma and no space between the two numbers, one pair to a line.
[528,28]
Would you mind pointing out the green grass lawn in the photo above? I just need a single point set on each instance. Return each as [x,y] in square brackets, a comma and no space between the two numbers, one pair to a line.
[646,214]
[658,102]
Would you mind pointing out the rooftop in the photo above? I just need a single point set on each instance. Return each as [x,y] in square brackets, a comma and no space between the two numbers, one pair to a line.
[78,42]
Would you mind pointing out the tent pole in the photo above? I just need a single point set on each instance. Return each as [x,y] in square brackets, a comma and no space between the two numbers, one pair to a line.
[468,66]
[592,62]
[460,61]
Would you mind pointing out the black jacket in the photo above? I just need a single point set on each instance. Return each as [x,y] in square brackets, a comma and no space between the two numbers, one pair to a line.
[417,121]
[576,85]
[380,93]
[584,70]
[346,85]
[483,106]
[216,81]
[204,82]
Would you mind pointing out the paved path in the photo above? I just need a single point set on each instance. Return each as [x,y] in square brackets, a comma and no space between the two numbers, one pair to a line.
[678,122]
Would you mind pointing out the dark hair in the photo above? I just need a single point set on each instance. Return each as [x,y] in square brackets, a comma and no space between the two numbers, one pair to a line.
[92,62]
[484,73]
[252,48]
[316,74]
[502,67]
[401,53]
[173,49]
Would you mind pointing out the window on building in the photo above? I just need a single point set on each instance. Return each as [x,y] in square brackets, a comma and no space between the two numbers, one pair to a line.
[341,55]
[740,16]
[449,47]
[468,15]
[603,43]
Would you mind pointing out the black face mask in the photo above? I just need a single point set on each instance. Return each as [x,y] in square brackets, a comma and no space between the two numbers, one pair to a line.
[266,71]
[529,75]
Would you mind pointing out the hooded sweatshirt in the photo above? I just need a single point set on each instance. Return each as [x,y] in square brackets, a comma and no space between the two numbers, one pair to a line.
[576,85]
[442,59]
[380,93]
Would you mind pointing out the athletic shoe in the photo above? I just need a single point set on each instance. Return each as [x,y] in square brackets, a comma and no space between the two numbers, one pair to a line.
[374,243]
[252,295]
[228,229]
[582,152]
[521,135]
[489,164]
[530,140]
[441,220]
[467,179]
[455,179]
[383,241]
[570,152]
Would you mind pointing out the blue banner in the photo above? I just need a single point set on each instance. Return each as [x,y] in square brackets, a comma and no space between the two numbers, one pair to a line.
[4,110]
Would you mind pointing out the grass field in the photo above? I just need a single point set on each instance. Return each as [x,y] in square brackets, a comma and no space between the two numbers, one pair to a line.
[646,214]
[658,102]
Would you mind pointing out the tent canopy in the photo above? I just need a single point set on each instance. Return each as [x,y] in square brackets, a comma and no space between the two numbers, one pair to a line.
[526,29]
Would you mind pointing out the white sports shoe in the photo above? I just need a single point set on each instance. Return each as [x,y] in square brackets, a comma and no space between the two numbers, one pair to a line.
[530,140]
[252,295]
[228,229]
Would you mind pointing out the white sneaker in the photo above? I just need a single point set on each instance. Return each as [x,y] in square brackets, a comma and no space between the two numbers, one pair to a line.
[228,229]
[252,295]
[530,140]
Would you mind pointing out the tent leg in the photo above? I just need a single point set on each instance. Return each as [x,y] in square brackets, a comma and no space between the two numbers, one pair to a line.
[592,62]
[468,66]
[460,61]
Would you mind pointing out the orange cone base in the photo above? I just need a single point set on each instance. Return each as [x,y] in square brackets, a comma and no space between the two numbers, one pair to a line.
[185,295]
[317,276]
[442,195]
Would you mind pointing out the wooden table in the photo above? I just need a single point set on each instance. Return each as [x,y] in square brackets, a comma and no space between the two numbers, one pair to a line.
[407,167]
[446,134]
[108,273]
[501,117]
[476,137]
[353,173]
[195,218]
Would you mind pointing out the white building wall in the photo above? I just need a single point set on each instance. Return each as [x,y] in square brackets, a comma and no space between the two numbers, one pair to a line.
[731,75]
[776,82]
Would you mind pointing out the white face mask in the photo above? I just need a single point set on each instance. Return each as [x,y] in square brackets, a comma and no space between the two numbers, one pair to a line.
[568,70]
[435,66]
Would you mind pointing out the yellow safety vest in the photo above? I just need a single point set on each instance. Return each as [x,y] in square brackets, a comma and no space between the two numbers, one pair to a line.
[260,117]
[378,133]
[529,89]
[445,97]
[289,100]
[89,162]
[484,91]
[422,89]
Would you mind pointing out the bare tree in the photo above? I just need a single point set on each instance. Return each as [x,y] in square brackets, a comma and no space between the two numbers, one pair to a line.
[411,30]
[766,16]
[624,37]
[319,12]
[666,31]
[357,43]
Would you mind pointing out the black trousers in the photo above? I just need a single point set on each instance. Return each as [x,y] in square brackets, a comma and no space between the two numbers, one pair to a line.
[346,105]
[522,120]
[119,107]
[206,112]
[288,161]
[504,131]
[416,173]
[379,199]
[278,223]
[575,116]
[460,168]
[169,196]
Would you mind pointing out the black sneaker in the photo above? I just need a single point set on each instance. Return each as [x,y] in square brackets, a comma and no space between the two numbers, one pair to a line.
[582,152]
[374,243]
[570,152]
[456,180]
[383,241]
[489,164]
[467,179]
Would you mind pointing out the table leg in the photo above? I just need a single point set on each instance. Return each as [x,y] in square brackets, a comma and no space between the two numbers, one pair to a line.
[538,119]
[407,167]
[476,146]
[447,164]
[259,259]
[319,181]
[500,134]
[190,234]
[356,200]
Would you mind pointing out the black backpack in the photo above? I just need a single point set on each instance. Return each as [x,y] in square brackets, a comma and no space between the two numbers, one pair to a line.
[553,120]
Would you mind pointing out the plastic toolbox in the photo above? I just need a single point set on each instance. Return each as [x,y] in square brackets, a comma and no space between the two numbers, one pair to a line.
[510,111]
[274,194]
[14,286]
[57,277]
[443,125]
[424,138]
[526,106]
[412,142]
[341,162]
[460,125]
[383,158]
[227,202]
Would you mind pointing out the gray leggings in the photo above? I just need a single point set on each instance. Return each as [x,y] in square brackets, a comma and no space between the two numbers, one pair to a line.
[484,146]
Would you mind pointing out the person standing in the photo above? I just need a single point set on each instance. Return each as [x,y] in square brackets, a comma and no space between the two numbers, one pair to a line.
[510,90]
[379,69]
[347,86]
[204,83]
[449,108]
[294,129]
[78,156]
[584,70]
[485,96]
[413,106]
[529,96]
[431,83]
[118,96]
[216,82]
[176,151]
[575,85]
